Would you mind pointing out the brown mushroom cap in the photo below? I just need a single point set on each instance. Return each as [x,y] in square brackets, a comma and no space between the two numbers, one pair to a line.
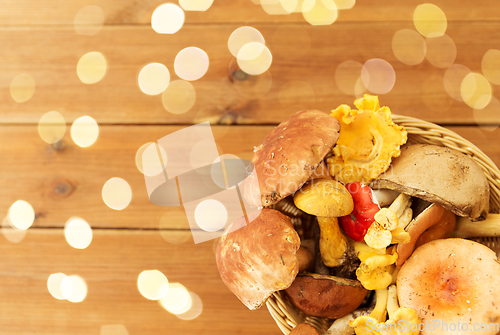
[325,296]
[258,258]
[439,175]
[288,156]
[304,329]
[453,282]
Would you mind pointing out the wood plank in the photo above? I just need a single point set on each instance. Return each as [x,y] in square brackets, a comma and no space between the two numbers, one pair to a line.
[300,76]
[51,12]
[32,170]
[110,267]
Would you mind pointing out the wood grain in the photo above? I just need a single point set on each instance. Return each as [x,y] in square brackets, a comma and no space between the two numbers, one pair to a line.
[302,74]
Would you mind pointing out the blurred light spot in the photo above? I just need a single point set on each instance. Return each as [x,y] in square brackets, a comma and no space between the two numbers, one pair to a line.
[179,97]
[117,329]
[210,215]
[73,288]
[250,86]
[52,127]
[291,42]
[347,75]
[222,176]
[11,233]
[359,88]
[89,20]
[54,284]
[296,92]
[167,19]
[21,214]
[408,46]
[22,87]
[153,284]
[116,193]
[453,78]
[279,7]
[84,131]
[254,58]
[430,20]
[289,6]
[177,300]
[378,76]
[91,67]
[191,63]
[490,65]
[441,51]
[78,233]
[148,159]
[195,310]
[476,90]
[488,118]
[345,4]
[174,227]
[200,153]
[319,12]
[154,78]
[243,36]
[434,94]
[196,5]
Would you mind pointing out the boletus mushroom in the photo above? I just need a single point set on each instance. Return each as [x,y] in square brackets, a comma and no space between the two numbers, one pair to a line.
[325,296]
[454,285]
[304,329]
[439,175]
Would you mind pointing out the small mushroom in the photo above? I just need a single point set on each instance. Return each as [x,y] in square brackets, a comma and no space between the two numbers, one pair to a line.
[434,223]
[487,228]
[325,296]
[258,258]
[304,329]
[439,175]
[452,283]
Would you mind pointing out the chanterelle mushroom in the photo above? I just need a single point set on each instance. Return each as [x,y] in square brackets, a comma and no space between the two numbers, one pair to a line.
[258,258]
[454,285]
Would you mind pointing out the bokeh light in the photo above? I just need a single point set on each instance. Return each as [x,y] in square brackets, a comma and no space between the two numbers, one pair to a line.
[488,118]
[430,20]
[200,153]
[84,131]
[78,233]
[54,284]
[89,20]
[117,193]
[319,12]
[177,300]
[154,78]
[11,233]
[347,76]
[52,127]
[243,36]
[278,7]
[179,97]
[194,311]
[167,18]
[148,159]
[117,329]
[254,58]
[91,67]
[223,177]
[196,5]
[191,63]
[153,284]
[174,231]
[249,86]
[74,288]
[441,51]
[378,76]
[490,65]
[408,46]
[21,214]
[434,94]
[22,87]
[476,90]
[345,4]
[211,215]
[453,78]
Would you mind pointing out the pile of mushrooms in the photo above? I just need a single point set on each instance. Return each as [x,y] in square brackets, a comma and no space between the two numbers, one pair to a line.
[390,236]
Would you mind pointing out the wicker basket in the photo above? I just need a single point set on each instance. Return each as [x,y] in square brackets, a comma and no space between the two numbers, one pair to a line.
[287,316]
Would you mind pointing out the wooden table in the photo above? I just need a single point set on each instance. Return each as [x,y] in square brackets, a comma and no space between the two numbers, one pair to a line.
[64,180]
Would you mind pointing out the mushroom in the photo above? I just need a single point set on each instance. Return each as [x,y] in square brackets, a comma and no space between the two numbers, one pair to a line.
[258,258]
[304,329]
[487,228]
[454,285]
[327,199]
[325,296]
[341,325]
[289,155]
[439,175]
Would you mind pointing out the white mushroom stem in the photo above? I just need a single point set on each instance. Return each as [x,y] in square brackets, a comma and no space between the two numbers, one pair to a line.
[489,227]
[380,311]
[341,326]
[392,301]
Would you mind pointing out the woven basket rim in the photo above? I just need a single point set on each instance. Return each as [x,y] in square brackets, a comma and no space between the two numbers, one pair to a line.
[419,131]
